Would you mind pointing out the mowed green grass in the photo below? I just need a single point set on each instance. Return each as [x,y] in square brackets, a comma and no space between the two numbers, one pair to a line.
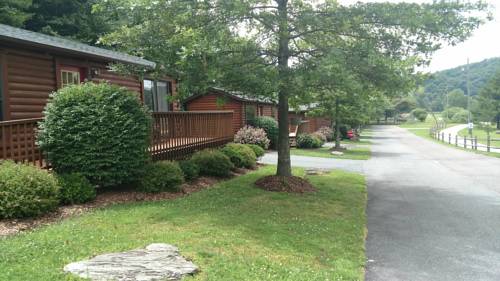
[482,136]
[232,231]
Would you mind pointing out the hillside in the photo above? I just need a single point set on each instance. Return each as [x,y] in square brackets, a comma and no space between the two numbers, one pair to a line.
[447,80]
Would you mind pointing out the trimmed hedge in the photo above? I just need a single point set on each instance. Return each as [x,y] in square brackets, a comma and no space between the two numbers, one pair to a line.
[75,189]
[270,126]
[98,130]
[308,141]
[26,191]
[213,163]
[161,176]
[259,151]
[240,155]
[189,169]
[420,114]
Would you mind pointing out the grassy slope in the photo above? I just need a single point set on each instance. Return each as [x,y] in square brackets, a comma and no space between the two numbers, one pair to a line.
[421,129]
[232,231]
[482,136]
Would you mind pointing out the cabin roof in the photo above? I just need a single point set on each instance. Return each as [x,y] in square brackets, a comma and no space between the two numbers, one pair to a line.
[234,95]
[18,35]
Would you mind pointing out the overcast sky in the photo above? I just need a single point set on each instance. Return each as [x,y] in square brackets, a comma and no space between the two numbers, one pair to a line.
[485,43]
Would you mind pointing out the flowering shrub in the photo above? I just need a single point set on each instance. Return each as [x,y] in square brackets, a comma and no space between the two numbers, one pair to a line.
[327,132]
[320,136]
[308,141]
[251,135]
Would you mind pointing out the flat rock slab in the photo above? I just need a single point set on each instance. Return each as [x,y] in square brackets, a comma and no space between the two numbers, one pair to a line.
[155,262]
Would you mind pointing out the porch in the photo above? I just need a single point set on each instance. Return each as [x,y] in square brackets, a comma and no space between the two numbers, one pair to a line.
[174,135]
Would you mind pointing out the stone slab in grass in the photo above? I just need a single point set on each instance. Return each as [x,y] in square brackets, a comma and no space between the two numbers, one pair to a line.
[155,262]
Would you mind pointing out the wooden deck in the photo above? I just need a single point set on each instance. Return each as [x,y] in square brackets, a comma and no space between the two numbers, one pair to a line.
[174,135]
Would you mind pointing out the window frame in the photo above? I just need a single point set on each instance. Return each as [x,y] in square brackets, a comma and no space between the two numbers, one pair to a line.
[73,70]
[155,93]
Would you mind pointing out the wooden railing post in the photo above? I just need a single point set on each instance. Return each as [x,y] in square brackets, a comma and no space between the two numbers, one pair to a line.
[449,138]
[488,143]
[465,142]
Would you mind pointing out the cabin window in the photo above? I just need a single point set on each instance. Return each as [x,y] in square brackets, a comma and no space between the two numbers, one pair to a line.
[71,75]
[261,110]
[250,112]
[156,95]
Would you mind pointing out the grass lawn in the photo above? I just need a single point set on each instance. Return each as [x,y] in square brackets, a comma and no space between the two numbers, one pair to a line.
[482,136]
[232,231]
[357,153]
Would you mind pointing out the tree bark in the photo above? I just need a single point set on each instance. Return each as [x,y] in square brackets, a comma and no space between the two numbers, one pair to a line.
[284,165]
[337,124]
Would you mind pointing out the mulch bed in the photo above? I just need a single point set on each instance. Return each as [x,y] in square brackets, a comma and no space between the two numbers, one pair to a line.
[285,184]
[106,198]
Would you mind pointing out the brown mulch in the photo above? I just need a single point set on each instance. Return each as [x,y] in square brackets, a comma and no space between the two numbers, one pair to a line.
[285,184]
[106,198]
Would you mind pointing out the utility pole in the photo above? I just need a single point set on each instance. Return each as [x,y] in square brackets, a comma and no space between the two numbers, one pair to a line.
[469,117]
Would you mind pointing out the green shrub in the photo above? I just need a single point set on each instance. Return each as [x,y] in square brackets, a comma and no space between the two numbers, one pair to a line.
[26,191]
[189,169]
[240,155]
[251,135]
[320,136]
[98,130]
[259,151]
[75,189]
[308,141]
[270,126]
[420,114]
[213,163]
[450,112]
[327,132]
[460,117]
[161,176]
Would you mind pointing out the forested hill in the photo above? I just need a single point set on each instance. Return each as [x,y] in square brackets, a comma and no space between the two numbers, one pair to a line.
[448,80]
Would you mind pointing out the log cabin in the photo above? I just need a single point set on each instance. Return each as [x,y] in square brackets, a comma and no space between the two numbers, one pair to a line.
[33,65]
[306,124]
[244,107]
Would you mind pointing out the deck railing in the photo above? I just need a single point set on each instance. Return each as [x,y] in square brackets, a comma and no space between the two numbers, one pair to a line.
[174,135]
[17,141]
[177,134]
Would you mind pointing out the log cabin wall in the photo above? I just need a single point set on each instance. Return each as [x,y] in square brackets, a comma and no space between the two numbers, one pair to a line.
[210,102]
[28,78]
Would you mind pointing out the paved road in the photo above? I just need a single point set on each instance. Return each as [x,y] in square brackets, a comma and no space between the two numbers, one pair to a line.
[433,211]
[317,162]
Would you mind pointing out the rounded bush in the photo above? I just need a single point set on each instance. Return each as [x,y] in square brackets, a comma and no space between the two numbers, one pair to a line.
[75,189]
[259,151]
[98,130]
[327,132]
[251,135]
[450,112]
[460,117]
[240,155]
[161,176]
[320,136]
[189,169]
[26,191]
[420,114]
[213,163]
[270,126]
[308,141]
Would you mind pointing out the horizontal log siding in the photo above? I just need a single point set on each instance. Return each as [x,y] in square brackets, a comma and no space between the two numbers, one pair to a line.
[31,78]
[131,83]
[209,103]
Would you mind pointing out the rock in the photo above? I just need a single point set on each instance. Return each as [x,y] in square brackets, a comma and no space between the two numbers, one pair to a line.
[156,262]
[337,152]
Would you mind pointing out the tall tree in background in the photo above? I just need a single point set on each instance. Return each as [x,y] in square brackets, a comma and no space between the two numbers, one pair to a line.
[14,12]
[489,101]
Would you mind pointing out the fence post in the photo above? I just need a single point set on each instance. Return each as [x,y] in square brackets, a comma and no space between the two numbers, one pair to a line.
[442,137]
[488,143]
[475,141]
[465,142]
[449,138]
[456,140]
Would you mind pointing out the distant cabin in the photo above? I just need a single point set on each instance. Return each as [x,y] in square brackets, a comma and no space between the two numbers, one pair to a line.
[307,124]
[244,107]
[32,65]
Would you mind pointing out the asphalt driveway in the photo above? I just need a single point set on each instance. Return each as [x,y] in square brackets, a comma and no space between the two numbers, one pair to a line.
[433,211]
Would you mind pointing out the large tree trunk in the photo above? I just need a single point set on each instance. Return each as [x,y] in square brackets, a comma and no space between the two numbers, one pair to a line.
[284,165]
[337,124]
